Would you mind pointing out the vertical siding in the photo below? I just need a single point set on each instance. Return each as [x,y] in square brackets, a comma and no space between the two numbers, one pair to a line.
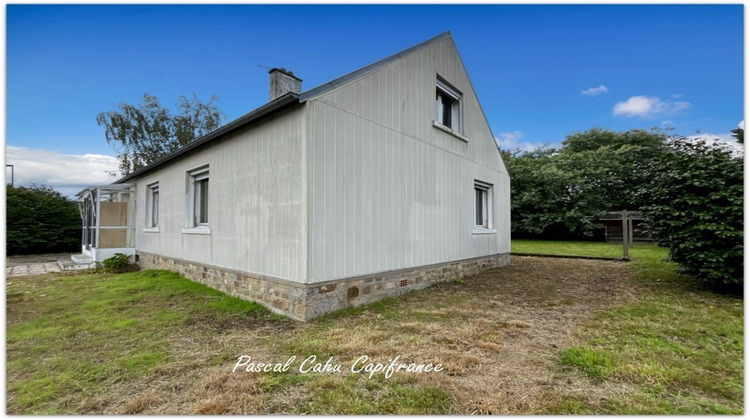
[257,202]
[389,190]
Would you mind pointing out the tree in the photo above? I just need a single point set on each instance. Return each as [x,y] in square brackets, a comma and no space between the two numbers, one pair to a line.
[143,133]
[563,192]
[41,220]
[694,208]
[739,134]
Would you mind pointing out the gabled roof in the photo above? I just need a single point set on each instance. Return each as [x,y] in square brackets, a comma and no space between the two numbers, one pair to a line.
[371,68]
[283,102]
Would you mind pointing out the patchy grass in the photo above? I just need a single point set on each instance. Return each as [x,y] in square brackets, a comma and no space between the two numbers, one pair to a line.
[678,347]
[75,336]
[548,336]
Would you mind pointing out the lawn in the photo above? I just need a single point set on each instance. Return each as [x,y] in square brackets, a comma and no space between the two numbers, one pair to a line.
[541,336]
[585,249]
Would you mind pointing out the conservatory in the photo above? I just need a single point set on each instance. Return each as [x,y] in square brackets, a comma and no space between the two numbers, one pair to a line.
[108,228]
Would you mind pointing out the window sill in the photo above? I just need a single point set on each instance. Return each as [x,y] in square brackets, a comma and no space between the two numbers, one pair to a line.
[200,230]
[450,131]
[483,231]
[151,230]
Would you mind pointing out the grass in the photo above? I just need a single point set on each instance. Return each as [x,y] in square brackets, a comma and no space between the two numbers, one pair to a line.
[636,252]
[681,354]
[77,335]
[541,336]
[596,364]
[680,347]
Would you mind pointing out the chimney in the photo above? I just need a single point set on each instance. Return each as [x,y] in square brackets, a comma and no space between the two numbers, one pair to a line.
[283,81]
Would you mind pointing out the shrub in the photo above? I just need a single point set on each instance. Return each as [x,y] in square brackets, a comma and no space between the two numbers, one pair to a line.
[119,263]
[41,220]
[694,207]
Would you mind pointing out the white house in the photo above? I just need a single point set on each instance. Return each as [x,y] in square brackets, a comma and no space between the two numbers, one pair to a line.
[385,180]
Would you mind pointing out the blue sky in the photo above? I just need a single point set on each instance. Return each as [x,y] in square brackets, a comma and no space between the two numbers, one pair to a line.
[541,72]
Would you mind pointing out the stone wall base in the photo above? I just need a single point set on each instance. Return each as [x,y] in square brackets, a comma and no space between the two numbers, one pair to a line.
[307,301]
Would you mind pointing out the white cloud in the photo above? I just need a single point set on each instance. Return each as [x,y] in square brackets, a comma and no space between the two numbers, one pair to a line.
[741,124]
[511,141]
[648,107]
[594,91]
[66,173]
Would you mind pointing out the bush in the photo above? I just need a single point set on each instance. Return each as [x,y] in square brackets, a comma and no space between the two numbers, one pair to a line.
[694,207]
[561,193]
[41,220]
[119,263]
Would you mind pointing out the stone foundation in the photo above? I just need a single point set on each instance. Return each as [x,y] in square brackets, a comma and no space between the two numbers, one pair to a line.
[307,301]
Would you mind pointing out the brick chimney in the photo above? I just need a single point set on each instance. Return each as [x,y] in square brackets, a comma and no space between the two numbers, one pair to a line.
[283,81]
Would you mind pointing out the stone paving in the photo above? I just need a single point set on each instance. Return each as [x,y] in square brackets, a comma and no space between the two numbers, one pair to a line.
[32,269]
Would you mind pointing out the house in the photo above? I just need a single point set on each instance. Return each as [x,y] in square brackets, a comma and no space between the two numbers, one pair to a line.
[383,181]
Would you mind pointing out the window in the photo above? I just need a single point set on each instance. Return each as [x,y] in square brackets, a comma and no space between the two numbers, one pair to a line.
[448,106]
[197,202]
[152,208]
[483,207]
[200,213]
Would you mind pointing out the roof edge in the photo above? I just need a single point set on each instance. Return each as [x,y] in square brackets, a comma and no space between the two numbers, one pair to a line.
[319,90]
[278,104]
[282,102]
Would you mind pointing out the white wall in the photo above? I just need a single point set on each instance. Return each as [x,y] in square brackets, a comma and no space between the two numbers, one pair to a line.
[388,190]
[257,202]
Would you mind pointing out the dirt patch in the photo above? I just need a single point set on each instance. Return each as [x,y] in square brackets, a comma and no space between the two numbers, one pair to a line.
[498,335]
[520,317]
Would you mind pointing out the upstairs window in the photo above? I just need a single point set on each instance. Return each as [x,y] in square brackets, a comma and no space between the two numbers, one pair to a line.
[152,206]
[447,106]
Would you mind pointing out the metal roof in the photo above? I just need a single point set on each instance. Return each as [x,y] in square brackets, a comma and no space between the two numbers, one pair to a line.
[278,104]
[113,187]
[283,102]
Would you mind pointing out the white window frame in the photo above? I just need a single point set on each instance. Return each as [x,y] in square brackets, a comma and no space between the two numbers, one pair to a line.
[152,208]
[192,206]
[444,89]
[487,208]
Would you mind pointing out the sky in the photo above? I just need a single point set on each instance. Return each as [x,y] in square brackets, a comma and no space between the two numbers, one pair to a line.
[541,72]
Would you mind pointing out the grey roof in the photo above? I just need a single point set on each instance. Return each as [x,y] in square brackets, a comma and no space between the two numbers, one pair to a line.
[278,104]
[283,102]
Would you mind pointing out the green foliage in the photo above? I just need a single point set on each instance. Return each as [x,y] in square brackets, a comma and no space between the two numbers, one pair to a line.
[563,192]
[693,199]
[41,220]
[143,133]
[117,263]
[739,134]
